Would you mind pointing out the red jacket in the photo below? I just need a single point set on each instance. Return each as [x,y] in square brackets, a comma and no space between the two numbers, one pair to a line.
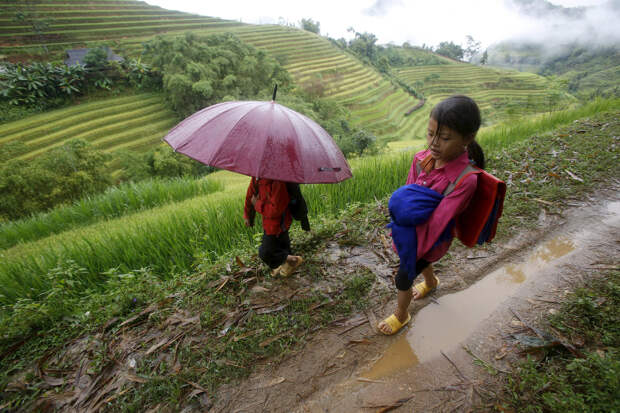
[272,204]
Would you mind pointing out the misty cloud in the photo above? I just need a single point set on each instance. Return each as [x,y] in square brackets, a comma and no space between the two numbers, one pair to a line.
[555,26]
[382,7]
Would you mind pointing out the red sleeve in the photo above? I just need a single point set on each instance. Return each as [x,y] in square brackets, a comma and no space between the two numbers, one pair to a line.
[413,171]
[452,205]
[248,199]
[275,203]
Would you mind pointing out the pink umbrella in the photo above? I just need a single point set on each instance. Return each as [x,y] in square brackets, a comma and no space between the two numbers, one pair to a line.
[260,139]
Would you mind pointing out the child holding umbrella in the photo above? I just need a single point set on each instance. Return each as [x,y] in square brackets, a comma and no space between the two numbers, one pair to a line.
[271,199]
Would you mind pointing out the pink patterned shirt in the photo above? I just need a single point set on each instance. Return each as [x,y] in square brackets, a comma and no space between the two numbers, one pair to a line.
[450,206]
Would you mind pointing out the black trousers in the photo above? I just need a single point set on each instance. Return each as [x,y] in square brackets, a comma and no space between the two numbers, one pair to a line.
[402,281]
[274,249]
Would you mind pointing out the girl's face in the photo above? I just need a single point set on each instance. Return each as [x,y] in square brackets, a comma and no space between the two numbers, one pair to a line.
[445,144]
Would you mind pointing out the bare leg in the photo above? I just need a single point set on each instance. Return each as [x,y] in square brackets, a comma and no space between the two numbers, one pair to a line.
[429,279]
[404,299]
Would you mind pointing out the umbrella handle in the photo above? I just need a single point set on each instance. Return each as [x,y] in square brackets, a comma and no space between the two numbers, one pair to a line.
[275,90]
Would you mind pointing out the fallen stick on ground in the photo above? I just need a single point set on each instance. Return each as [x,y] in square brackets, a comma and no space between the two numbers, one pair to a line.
[454,365]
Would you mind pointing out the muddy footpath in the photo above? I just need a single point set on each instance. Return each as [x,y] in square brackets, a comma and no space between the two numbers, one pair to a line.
[441,361]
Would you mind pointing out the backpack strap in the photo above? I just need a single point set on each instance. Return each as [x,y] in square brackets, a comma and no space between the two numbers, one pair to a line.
[468,170]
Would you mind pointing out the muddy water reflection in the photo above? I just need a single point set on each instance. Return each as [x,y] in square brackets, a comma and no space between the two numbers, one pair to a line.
[614,208]
[443,326]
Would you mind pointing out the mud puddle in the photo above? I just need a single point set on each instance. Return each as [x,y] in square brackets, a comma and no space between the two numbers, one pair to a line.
[442,327]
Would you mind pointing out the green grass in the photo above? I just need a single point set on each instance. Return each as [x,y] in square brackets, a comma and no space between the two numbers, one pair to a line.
[544,161]
[115,202]
[166,238]
[561,383]
[501,135]
[212,362]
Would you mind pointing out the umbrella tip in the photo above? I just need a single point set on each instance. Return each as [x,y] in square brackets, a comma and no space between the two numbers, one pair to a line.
[275,90]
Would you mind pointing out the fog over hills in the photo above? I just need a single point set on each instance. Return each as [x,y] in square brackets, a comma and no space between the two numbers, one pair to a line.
[553,39]
[554,26]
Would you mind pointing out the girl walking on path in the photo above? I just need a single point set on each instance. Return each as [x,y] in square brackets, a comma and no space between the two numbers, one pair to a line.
[271,199]
[423,211]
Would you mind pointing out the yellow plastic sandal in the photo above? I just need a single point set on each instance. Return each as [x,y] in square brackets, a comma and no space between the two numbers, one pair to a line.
[276,271]
[287,269]
[424,290]
[394,324]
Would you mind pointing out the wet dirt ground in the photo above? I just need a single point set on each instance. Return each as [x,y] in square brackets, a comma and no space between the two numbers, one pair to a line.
[486,295]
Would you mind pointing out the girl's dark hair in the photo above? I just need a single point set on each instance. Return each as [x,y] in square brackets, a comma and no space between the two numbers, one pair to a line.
[461,114]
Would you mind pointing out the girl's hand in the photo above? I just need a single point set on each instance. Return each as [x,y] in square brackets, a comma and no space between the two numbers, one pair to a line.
[254,199]
[247,222]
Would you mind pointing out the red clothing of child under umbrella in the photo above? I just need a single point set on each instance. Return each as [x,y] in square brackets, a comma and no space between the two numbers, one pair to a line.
[261,139]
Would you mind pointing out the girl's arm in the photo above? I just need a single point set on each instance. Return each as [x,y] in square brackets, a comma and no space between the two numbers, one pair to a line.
[276,203]
[452,205]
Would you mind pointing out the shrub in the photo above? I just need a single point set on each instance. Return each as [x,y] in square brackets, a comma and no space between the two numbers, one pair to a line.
[61,175]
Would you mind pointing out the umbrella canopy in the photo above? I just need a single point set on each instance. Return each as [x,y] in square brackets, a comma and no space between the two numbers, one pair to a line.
[260,139]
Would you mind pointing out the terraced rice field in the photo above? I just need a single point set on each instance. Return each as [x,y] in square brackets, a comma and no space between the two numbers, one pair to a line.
[138,122]
[314,62]
[78,22]
[132,122]
[311,59]
[498,92]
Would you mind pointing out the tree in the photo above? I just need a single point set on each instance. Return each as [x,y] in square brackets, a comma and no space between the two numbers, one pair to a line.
[473,47]
[199,71]
[383,64]
[450,49]
[357,143]
[96,62]
[485,58]
[310,25]
[96,59]
[364,45]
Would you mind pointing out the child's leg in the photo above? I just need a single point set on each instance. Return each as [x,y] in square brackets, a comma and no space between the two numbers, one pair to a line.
[404,287]
[285,245]
[271,251]
[404,299]
[291,261]
[429,279]
[405,293]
